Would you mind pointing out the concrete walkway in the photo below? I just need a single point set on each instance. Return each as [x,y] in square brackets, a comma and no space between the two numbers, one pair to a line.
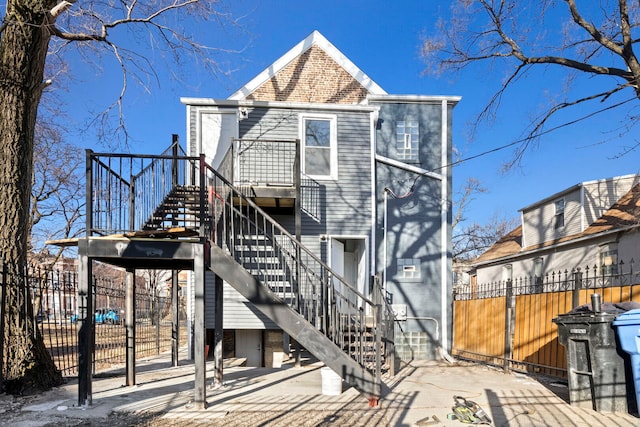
[421,394]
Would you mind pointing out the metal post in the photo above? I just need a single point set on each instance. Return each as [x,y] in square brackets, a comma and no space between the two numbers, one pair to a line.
[577,285]
[130,324]
[89,193]
[174,161]
[509,326]
[200,394]
[85,325]
[175,318]
[297,171]
[156,313]
[218,331]
[298,221]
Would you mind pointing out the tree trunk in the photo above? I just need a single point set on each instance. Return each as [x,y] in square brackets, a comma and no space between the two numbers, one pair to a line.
[23,48]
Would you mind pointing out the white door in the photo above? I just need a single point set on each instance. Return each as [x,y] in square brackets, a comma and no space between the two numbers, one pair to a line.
[337,265]
[249,346]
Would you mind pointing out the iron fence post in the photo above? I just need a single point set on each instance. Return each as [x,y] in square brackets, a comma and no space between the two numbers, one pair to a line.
[508,323]
[577,285]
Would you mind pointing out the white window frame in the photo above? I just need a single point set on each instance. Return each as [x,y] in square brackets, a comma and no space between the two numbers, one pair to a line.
[406,151]
[333,144]
[559,213]
[409,269]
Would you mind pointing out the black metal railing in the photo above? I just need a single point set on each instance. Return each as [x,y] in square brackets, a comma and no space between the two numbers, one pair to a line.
[125,191]
[266,162]
[233,222]
[289,269]
[53,294]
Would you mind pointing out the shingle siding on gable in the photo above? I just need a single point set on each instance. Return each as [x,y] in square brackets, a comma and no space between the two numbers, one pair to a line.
[539,221]
[312,77]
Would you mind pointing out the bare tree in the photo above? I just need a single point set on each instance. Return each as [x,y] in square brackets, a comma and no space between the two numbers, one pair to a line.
[32,33]
[592,41]
[57,193]
[470,240]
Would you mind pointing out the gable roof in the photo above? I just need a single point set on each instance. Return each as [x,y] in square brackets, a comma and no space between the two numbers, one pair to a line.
[624,213]
[313,43]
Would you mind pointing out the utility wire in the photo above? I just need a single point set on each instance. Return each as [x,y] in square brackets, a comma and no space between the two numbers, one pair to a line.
[502,147]
[531,137]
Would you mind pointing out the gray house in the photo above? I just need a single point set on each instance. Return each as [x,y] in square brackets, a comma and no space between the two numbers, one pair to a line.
[359,176]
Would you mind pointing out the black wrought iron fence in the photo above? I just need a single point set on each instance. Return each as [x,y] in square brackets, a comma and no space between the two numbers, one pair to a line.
[54,298]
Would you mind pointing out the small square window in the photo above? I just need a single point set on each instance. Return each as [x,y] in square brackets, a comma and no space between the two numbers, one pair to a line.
[407,140]
[409,268]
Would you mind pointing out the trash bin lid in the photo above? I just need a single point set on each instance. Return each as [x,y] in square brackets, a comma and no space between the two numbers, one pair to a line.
[584,317]
[631,317]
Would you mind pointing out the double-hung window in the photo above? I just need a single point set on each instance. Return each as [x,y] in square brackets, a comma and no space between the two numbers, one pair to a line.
[319,146]
[559,213]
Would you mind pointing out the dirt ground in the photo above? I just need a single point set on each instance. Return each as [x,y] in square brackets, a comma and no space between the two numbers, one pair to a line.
[11,414]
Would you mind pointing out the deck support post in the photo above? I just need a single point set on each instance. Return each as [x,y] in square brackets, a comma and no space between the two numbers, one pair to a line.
[130,325]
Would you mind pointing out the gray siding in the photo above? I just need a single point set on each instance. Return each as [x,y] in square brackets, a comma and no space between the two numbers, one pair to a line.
[414,221]
[429,118]
[239,313]
[339,207]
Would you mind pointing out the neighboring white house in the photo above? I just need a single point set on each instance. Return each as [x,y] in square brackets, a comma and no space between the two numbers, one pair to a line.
[591,224]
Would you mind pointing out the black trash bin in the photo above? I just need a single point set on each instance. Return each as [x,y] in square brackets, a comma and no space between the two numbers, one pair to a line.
[595,365]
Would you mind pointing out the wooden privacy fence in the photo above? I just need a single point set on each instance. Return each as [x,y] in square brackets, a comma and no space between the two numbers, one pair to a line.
[509,323]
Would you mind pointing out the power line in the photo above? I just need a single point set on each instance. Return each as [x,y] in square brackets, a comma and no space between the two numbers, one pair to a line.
[531,137]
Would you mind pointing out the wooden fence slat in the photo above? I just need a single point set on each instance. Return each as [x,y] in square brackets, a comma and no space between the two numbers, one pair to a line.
[479,327]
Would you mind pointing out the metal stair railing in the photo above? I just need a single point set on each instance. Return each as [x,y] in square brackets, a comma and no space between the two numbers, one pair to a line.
[316,292]
[124,190]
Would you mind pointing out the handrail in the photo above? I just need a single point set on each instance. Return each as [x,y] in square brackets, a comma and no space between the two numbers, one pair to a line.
[249,203]
[170,190]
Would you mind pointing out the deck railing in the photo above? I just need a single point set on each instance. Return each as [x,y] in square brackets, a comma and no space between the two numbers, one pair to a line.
[126,190]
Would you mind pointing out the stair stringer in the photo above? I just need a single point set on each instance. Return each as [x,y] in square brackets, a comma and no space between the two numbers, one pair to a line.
[293,323]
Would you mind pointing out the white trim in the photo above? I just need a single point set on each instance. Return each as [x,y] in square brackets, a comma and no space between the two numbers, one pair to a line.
[583,214]
[444,232]
[374,119]
[422,99]
[188,131]
[410,168]
[367,267]
[315,38]
[333,144]
[523,229]
[277,104]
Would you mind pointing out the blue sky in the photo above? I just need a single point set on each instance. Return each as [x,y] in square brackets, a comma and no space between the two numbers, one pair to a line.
[382,38]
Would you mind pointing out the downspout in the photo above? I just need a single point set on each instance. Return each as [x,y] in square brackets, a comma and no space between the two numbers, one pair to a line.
[374,202]
[444,233]
[384,241]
